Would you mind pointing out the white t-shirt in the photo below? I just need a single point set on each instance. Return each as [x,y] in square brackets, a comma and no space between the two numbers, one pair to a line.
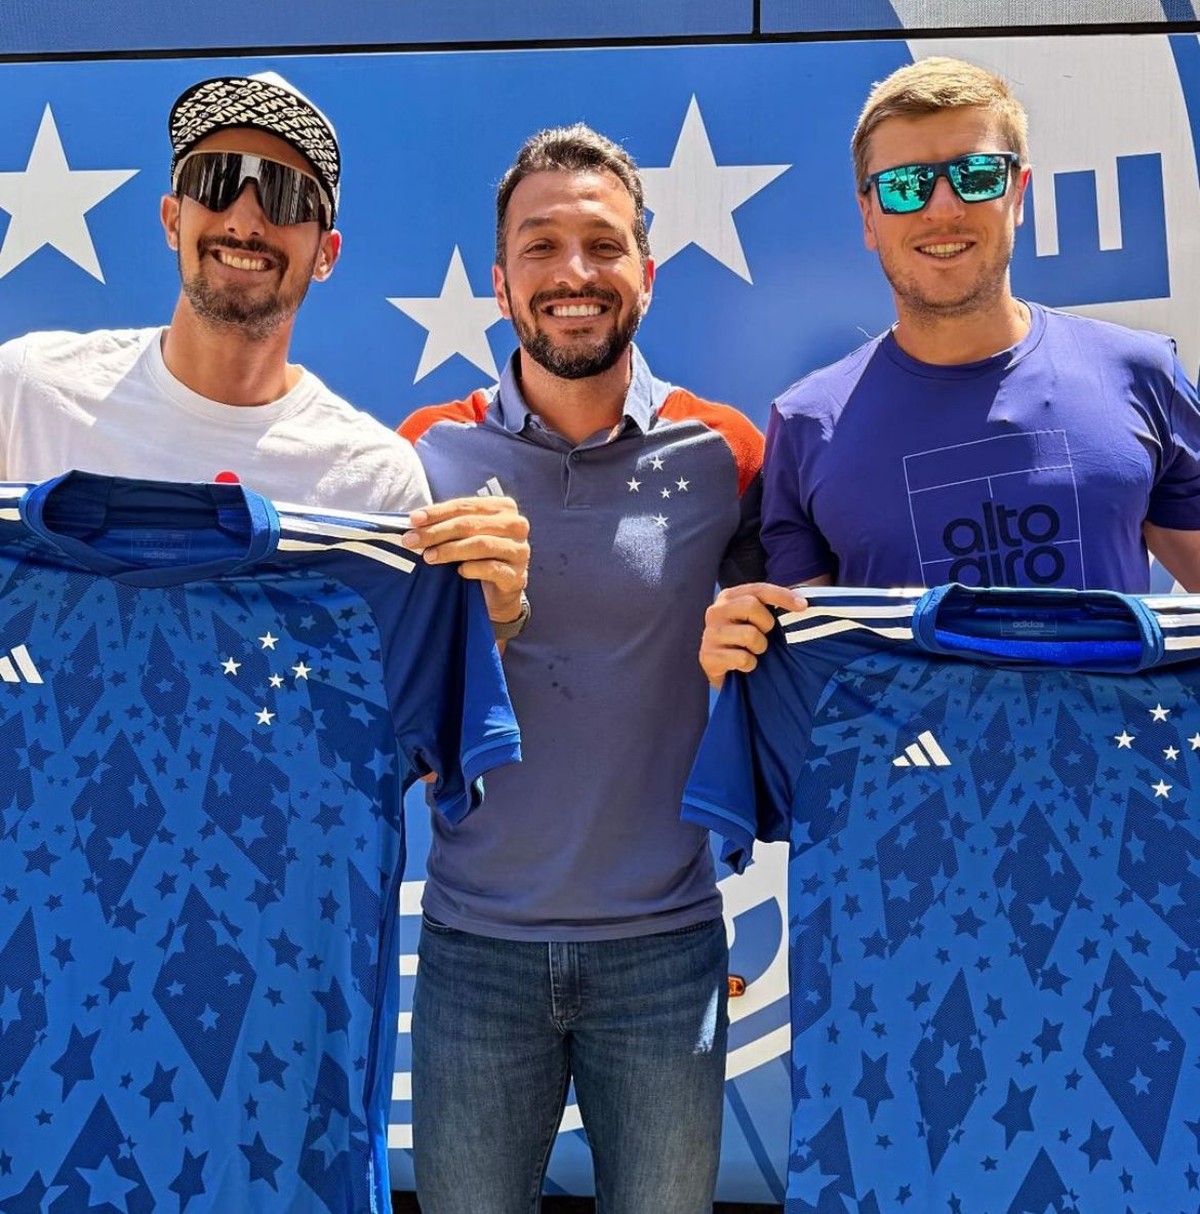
[105,402]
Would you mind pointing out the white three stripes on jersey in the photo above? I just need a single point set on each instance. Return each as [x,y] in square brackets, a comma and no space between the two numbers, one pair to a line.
[922,753]
[24,671]
[365,535]
[833,609]
[1179,618]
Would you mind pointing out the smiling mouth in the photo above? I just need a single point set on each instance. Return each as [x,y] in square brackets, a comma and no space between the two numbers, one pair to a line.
[575,310]
[241,261]
[945,249]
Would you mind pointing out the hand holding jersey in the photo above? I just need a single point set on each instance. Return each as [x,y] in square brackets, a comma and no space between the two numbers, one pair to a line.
[489,538]
[737,624]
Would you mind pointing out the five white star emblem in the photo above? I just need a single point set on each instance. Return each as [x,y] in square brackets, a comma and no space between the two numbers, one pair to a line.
[660,520]
[682,485]
[268,641]
[634,485]
[300,670]
[264,717]
[666,493]
[1195,741]
[694,198]
[1161,788]
[1123,740]
[456,322]
[229,666]
[1171,753]
[656,462]
[1159,713]
[48,201]
[276,680]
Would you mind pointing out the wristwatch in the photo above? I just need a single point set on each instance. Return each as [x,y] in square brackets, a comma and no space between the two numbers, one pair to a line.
[505,630]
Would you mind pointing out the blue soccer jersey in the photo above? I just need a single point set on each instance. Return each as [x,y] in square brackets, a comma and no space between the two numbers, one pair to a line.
[992,800]
[210,710]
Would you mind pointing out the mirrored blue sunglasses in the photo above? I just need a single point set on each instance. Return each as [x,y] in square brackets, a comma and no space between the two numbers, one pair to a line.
[977,177]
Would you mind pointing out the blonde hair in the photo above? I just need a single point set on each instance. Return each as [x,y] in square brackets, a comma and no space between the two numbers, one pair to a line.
[932,85]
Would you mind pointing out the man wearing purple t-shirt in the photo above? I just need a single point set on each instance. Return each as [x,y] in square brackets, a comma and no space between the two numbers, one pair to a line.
[982,439]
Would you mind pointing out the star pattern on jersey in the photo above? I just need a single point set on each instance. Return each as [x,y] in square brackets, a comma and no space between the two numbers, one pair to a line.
[693,199]
[157,821]
[456,322]
[1021,944]
[48,202]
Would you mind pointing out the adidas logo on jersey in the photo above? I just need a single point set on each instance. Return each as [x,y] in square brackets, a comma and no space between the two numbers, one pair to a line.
[924,752]
[18,667]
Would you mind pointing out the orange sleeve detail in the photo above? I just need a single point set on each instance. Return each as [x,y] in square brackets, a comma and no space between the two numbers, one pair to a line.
[470,410]
[741,435]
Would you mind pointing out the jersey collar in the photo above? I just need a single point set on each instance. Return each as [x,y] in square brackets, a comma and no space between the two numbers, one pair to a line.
[73,511]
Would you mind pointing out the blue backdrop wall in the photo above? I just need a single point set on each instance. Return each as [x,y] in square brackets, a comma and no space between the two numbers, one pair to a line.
[762,273]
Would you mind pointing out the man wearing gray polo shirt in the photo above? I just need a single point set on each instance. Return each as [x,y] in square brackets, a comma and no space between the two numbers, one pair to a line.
[574,931]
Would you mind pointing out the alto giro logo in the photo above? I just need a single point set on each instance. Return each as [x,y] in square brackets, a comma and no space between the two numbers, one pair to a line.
[1004,546]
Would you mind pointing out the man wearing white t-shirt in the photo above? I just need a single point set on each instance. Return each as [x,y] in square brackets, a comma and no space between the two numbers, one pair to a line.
[255,177]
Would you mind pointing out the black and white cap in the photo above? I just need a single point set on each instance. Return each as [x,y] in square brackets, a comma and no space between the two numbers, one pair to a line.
[263,102]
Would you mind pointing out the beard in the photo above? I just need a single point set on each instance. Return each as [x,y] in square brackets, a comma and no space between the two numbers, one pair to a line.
[981,294]
[579,360]
[255,316]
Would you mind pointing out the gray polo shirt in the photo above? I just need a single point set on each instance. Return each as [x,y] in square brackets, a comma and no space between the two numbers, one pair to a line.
[629,535]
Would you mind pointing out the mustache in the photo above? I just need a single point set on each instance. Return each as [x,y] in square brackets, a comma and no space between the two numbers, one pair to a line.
[598,295]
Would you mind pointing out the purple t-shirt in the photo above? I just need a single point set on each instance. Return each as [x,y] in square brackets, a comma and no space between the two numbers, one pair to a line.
[1035,467]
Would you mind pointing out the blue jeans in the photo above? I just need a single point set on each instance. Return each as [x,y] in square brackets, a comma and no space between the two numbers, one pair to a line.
[500,1028]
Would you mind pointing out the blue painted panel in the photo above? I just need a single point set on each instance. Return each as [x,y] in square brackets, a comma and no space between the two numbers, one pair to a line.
[786,16]
[1082,272]
[828,16]
[61,26]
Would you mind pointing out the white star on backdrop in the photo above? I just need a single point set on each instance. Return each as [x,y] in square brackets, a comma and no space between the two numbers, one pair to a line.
[694,198]
[48,200]
[457,322]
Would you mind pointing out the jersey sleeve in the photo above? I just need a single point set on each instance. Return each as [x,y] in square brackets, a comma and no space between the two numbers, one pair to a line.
[739,787]
[796,551]
[720,790]
[450,703]
[1175,498]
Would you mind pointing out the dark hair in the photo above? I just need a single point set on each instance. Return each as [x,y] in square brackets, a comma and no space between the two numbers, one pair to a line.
[572,149]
